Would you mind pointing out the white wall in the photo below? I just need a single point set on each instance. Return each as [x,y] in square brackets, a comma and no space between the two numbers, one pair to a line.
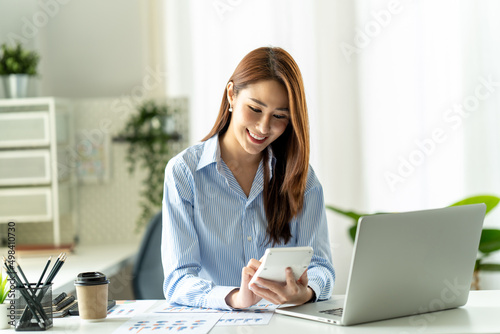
[94,48]
[88,48]
[13,17]
[13,14]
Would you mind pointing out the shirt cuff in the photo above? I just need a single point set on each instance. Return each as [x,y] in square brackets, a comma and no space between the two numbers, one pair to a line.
[216,298]
[316,288]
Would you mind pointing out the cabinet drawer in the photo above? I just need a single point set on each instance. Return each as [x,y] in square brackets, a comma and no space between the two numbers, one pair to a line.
[25,205]
[24,129]
[25,167]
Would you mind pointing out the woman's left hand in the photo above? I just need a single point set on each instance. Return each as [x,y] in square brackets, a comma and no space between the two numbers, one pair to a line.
[290,292]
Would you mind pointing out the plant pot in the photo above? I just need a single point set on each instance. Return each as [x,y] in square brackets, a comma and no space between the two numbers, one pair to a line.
[15,85]
[4,321]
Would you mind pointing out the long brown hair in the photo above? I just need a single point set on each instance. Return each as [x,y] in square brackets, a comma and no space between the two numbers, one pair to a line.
[284,193]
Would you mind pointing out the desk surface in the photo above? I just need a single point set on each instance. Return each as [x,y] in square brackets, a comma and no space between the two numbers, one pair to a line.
[480,315]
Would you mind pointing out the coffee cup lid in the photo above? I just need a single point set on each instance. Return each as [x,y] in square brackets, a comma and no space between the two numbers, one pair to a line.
[91,278]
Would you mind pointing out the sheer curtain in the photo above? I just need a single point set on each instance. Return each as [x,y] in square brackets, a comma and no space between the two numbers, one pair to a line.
[207,39]
[403,96]
[482,122]
[410,78]
[429,87]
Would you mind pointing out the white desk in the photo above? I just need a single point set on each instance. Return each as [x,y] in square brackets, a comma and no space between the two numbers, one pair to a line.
[108,259]
[480,315]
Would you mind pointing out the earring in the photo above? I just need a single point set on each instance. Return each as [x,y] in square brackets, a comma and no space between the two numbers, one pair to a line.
[230,109]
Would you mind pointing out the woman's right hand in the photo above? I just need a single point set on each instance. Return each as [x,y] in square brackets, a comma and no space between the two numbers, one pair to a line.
[244,297]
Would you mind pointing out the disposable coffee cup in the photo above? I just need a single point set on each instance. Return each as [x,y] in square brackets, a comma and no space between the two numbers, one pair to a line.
[92,295]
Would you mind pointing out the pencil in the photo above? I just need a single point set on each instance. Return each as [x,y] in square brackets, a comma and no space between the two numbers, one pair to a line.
[56,268]
[43,272]
[28,285]
[30,303]
[30,298]
[51,275]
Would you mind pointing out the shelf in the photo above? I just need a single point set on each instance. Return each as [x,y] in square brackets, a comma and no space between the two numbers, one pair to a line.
[129,139]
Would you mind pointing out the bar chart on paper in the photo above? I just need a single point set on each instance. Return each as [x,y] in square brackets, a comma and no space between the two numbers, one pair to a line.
[129,308]
[244,318]
[183,323]
[259,314]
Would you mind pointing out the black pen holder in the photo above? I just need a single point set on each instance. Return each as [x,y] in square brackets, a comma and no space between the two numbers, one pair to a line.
[33,308]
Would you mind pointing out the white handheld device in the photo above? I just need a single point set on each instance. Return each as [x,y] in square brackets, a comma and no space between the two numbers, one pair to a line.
[276,260]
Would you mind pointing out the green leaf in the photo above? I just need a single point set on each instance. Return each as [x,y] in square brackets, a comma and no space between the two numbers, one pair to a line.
[4,291]
[478,264]
[489,267]
[351,214]
[352,231]
[490,201]
[16,60]
[490,241]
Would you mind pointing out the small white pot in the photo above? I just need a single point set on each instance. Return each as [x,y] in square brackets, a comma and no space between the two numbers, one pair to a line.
[15,85]
[4,321]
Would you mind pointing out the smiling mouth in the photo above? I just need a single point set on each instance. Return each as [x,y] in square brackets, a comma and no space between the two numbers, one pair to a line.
[255,137]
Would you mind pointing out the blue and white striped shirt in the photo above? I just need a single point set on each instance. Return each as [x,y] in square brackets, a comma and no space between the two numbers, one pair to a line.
[211,229]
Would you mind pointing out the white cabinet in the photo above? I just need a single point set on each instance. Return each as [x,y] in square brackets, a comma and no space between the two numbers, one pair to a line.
[24,129]
[34,132]
[25,167]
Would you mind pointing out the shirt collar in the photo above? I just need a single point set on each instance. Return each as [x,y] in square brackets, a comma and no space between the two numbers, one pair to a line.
[211,154]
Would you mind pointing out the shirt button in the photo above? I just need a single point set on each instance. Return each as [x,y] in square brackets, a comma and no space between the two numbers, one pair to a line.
[249,238]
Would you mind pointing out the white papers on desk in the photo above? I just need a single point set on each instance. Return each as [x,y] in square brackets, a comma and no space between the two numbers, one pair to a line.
[245,317]
[194,323]
[259,314]
[129,308]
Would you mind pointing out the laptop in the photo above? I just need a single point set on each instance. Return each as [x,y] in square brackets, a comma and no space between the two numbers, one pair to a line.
[405,264]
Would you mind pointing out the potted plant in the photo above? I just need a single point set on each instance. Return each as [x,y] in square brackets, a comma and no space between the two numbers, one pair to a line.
[17,65]
[4,292]
[149,134]
[488,244]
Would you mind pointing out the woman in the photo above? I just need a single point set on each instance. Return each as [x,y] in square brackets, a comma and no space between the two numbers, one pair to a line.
[246,187]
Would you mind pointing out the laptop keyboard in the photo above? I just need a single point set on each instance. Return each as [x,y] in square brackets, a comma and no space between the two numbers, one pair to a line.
[333,311]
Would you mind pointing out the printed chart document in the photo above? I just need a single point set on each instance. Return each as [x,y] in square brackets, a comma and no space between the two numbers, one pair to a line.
[129,308]
[195,323]
[238,318]
[259,314]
